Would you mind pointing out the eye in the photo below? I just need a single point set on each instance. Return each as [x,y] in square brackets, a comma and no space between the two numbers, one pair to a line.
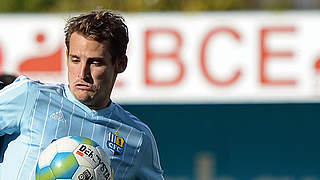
[74,59]
[97,62]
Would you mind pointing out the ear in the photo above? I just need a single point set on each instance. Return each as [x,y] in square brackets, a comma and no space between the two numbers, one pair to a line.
[121,63]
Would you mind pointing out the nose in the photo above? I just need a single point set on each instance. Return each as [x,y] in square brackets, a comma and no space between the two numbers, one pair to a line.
[84,70]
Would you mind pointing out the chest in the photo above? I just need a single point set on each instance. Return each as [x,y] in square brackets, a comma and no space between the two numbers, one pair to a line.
[53,116]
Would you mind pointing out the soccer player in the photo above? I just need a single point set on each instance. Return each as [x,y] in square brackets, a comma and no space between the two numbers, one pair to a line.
[32,114]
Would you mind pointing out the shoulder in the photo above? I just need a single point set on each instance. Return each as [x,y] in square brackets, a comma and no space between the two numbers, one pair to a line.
[20,81]
[33,85]
[129,119]
[23,88]
[16,88]
[149,152]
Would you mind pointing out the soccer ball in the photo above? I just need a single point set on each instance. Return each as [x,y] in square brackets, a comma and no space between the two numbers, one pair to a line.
[73,158]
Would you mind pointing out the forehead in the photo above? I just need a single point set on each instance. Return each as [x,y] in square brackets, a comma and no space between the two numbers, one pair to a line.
[80,43]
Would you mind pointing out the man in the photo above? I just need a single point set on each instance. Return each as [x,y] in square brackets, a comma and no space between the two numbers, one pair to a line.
[32,114]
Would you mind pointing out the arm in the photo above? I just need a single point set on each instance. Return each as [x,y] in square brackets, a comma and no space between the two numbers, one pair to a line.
[12,103]
[150,162]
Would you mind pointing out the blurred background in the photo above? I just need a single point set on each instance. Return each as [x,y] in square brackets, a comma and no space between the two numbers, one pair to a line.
[230,88]
[54,6]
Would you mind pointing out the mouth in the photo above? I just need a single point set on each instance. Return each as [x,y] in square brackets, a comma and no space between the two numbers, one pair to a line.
[83,86]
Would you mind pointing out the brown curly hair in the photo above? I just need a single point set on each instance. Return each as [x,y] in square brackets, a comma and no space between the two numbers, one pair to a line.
[100,25]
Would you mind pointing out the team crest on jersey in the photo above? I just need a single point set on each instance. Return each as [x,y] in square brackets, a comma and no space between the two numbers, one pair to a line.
[115,143]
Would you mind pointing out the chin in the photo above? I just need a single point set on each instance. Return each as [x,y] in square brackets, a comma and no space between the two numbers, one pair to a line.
[84,99]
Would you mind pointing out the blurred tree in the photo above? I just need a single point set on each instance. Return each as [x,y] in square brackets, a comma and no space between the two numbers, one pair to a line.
[150,5]
[275,4]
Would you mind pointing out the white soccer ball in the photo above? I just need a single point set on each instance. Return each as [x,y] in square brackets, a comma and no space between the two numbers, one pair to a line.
[76,158]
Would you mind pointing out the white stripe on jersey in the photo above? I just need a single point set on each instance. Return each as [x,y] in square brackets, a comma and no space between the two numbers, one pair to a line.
[104,137]
[85,116]
[58,124]
[30,141]
[70,119]
[94,127]
[124,151]
[42,135]
[134,155]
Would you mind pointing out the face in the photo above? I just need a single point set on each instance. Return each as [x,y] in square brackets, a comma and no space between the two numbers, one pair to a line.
[91,73]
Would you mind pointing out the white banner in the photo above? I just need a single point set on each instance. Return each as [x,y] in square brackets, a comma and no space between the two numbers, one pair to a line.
[225,57]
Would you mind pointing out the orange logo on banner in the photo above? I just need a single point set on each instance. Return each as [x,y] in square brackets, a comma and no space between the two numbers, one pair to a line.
[49,63]
[317,65]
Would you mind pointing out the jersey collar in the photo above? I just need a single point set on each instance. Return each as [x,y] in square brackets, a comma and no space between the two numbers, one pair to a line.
[104,111]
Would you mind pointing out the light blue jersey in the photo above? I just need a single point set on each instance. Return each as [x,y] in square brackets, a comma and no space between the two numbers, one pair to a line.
[32,114]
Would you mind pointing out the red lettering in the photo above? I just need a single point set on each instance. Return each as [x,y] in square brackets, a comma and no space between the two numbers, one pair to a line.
[203,59]
[151,55]
[266,55]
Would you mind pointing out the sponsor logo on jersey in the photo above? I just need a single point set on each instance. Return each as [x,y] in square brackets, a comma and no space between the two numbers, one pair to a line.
[115,143]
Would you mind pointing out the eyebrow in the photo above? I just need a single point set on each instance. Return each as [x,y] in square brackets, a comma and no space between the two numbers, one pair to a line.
[90,59]
[97,58]
[72,55]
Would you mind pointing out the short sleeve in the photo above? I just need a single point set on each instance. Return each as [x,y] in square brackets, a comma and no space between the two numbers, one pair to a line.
[12,103]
